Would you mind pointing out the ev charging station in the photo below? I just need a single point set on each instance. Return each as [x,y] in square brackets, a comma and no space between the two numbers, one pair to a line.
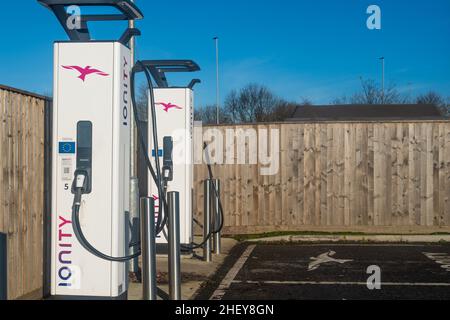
[175,118]
[94,97]
[91,142]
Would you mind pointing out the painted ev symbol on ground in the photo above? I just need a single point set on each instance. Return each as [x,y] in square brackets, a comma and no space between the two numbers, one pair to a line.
[325,258]
[442,259]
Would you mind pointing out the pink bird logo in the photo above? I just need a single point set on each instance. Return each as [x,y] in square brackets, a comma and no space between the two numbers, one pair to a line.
[168,106]
[84,72]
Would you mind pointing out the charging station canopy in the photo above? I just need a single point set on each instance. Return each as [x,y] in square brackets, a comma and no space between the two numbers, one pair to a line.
[127,10]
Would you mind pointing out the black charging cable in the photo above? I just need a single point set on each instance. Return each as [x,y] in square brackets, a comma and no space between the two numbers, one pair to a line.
[81,178]
[217,228]
[79,188]
[156,175]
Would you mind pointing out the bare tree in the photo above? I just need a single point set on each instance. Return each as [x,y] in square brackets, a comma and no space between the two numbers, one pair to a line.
[285,110]
[341,100]
[256,103]
[373,94]
[142,102]
[447,108]
[253,103]
[435,99]
[431,97]
[208,115]
[305,102]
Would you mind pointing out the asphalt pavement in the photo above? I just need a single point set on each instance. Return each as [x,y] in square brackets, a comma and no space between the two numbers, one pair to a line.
[333,272]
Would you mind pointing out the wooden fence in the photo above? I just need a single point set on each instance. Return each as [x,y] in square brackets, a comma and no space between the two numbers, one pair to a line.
[22,151]
[343,176]
[384,177]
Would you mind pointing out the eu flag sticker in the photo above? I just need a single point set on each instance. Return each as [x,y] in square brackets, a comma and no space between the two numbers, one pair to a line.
[160,153]
[67,147]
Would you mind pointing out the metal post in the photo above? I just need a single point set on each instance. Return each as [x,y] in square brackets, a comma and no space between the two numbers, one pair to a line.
[193,208]
[47,219]
[207,221]
[3,267]
[174,246]
[217,238]
[134,220]
[382,80]
[148,247]
[131,25]
[216,39]
[134,184]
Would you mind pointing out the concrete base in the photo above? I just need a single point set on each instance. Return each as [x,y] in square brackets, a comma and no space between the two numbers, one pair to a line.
[194,272]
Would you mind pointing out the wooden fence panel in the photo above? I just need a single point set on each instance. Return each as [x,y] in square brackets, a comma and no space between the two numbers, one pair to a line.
[22,189]
[392,176]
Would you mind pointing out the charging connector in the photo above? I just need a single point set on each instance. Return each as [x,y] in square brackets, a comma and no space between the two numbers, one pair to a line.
[167,169]
[81,178]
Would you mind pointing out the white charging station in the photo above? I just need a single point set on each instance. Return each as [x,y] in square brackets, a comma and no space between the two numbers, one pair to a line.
[91,132]
[174,108]
[174,113]
[91,114]
[94,89]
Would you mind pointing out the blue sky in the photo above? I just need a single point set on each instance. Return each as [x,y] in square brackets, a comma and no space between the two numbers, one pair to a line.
[300,49]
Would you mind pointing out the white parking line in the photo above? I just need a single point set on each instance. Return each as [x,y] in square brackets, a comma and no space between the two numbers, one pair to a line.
[330,283]
[231,275]
[418,245]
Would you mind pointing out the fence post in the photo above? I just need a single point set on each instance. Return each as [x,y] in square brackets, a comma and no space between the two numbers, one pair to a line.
[148,248]
[3,267]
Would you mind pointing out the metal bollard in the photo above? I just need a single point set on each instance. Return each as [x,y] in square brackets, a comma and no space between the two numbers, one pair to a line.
[217,237]
[173,199]
[148,248]
[207,221]
[134,220]
[3,267]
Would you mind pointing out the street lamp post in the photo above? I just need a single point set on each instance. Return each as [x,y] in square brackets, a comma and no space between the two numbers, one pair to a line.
[216,39]
[382,80]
